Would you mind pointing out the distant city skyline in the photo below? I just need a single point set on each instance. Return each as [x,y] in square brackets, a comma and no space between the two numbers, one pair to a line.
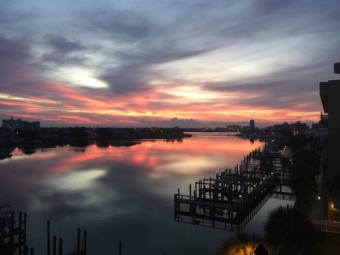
[166,63]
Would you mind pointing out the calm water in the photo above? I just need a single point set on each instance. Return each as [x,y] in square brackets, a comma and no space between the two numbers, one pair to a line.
[121,193]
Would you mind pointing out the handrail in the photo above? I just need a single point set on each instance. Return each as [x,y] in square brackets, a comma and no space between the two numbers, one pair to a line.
[327,226]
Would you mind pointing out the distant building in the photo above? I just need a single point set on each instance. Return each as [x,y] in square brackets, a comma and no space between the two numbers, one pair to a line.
[252,126]
[330,98]
[233,128]
[282,128]
[319,132]
[21,124]
[299,127]
[293,128]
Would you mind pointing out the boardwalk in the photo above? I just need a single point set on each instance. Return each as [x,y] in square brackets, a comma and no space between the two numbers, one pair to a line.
[231,198]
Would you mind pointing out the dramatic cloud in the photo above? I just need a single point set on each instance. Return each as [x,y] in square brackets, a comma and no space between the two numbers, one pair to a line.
[62,51]
[165,62]
[267,6]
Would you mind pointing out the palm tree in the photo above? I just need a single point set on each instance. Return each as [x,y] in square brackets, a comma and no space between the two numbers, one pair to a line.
[291,232]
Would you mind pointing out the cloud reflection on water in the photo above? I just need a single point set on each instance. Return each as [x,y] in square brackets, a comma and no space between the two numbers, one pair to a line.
[118,193]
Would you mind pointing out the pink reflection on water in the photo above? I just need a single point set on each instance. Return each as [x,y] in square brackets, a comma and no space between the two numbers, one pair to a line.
[110,186]
[192,155]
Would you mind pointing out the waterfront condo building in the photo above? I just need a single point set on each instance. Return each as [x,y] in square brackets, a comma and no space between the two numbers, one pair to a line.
[330,98]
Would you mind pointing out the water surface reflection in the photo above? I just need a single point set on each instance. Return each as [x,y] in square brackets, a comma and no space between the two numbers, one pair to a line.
[118,193]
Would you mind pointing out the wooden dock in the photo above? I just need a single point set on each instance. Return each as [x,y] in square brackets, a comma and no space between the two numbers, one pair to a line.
[13,236]
[231,198]
[57,243]
[13,232]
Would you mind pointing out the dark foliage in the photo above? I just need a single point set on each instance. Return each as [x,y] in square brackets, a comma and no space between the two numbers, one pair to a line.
[291,232]
[302,178]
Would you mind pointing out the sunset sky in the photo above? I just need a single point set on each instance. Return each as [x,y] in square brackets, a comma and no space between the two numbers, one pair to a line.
[166,62]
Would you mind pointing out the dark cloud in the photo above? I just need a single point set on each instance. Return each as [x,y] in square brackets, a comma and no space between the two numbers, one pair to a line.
[164,52]
[138,70]
[287,81]
[15,64]
[269,6]
[62,44]
[62,58]
[14,49]
[64,51]
[126,79]
[10,15]
[290,88]
[120,25]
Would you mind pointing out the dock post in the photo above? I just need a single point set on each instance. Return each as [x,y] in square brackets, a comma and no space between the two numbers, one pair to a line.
[200,189]
[85,237]
[48,236]
[25,227]
[210,187]
[2,230]
[20,236]
[54,246]
[60,246]
[78,239]
[190,191]
[120,247]
[20,219]
[11,238]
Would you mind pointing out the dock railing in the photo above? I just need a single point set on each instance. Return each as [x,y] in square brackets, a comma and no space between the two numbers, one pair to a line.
[327,226]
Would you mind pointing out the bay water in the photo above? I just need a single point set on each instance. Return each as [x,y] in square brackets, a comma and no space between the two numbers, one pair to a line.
[122,193]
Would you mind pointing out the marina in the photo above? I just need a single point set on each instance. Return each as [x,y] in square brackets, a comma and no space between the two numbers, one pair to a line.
[231,198]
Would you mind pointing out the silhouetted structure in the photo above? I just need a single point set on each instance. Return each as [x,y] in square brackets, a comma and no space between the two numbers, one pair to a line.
[21,124]
[12,232]
[13,236]
[252,126]
[234,196]
[57,247]
[330,98]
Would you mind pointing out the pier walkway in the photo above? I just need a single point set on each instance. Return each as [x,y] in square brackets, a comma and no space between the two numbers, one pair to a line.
[231,198]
